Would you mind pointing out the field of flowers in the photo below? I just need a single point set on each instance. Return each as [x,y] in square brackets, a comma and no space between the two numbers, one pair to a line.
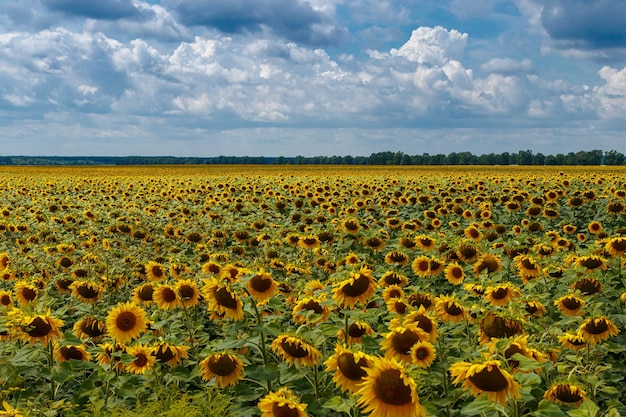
[312,291]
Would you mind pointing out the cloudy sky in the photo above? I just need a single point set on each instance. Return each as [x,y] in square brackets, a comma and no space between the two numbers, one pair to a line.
[311,77]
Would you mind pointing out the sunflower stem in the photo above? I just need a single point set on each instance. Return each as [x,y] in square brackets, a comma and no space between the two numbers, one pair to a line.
[259,323]
[316,382]
[346,331]
[51,364]
[444,376]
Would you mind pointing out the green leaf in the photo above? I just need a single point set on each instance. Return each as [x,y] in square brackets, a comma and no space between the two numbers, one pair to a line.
[478,407]
[342,405]
[587,409]
[548,409]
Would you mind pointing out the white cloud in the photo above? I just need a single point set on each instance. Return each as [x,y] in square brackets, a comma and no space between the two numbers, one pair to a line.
[432,45]
[612,95]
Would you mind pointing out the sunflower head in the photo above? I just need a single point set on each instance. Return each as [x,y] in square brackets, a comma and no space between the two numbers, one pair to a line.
[296,351]
[486,378]
[226,368]
[565,394]
[359,287]
[348,367]
[126,322]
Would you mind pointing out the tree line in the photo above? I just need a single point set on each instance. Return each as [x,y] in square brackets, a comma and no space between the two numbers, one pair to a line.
[522,157]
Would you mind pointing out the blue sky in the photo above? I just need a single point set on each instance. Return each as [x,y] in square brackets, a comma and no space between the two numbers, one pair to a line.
[317,77]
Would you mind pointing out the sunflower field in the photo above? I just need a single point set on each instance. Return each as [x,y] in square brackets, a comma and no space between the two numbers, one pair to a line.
[298,291]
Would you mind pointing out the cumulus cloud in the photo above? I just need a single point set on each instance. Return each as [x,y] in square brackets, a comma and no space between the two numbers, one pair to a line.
[432,45]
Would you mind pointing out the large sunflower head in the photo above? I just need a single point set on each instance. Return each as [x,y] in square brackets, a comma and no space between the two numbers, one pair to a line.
[142,359]
[348,367]
[487,263]
[169,354]
[41,328]
[454,273]
[226,368]
[126,322]
[310,310]
[493,325]
[155,271]
[527,267]
[591,263]
[359,287]
[166,297]
[86,291]
[398,342]
[393,278]
[423,321]
[502,294]
[449,309]
[296,351]
[486,378]
[223,300]
[188,292]
[616,246]
[89,327]
[262,286]
[597,329]
[421,266]
[388,390]
[569,305]
[25,293]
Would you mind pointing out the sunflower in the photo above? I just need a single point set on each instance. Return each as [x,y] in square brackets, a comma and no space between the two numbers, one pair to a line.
[448,309]
[388,390]
[493,325]
[282,403]
[569,305]
[142,359]
[9,411]
[587,286]
[166,297]
[421,266]
[359,287]
[38,328]
[594,227]
[86,291]
[426,243]
[565,394]
[188,293]
[89,327]
[310,310]
[226,368]
[25,293]
[126,322]
[534,308]
[375,243]
[597,330]
[423,354]
[223,300]
[262,286]
[398,342]
[572,341]
[155,271]
[351,226]
[212,268]
[349,368]
[423,321]
[5,299]
[527,267]
[143,294]
[501,294]
[475,289]
[467,253]
[393,278]
[591,263]
[296,351]
[67,352]
[488,263]
[356,331]
[170,355]
[392,291]
[396,257]
[454,273]
[518,344]
[486,378]
[473,233]
[616,246]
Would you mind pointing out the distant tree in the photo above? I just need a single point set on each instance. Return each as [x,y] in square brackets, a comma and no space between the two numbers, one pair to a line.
[539,159]
[525,157]
[613,157]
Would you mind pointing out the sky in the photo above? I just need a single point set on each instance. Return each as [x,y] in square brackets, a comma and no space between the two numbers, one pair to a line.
[311,77]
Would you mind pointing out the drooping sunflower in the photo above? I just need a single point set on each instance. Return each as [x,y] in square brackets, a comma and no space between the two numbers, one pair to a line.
[565,394]
[348,368]
[166,297]
[448,309]
[393,278]
[454,273]
[351,226]
[388,390]
[143,359]
[226,368]
[86,291]
[25,293]
[262,286]
[587,286]
[89,327]
[486,378]
[527,267]
[310,310]
[143,294]
[223,300]
[501,294]
[282,403]
[569,305]
[425,243]
[467,253]
[359,287]
[126,322]
[356,331]
[616,246]
[572,341]
[396,257]
[188,292]
[424,321]
[392,291]
[493,325]
[41,328]
[169,354]
[591,263]
[397,306]
[296,351]
[398,342]
[534,308]
[67,352]
[597,329]
[423,354]
[488,263]
[155,271]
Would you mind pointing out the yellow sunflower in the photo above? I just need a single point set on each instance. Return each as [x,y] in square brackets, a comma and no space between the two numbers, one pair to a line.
[281,403]
[296,351]
[591,263]
[388,390]
[262,286]
[310,310]
[454,273]
[565,394]
[155,271]
[527,267]
[393,278]
[223,300]
[572,341]
[502,294]
[86,291]
[493,325]
[398,342]
[423,354]
[392,291]
[486,378]
[89,327]
[569,305]
[534,308]
[616,246]
[356,331]
[166,297]
[188,292]
[421,266]
[425,243]
[126,322]
[67,352]
[587,286]
[448,309]
[488,263]
[226,368]
[396,257]
[169,354]
[359,287]
[142,361]
[348,368]
[5,299]
[424,321]
[41,328]
[596,330]
[143,294]
[25,293]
